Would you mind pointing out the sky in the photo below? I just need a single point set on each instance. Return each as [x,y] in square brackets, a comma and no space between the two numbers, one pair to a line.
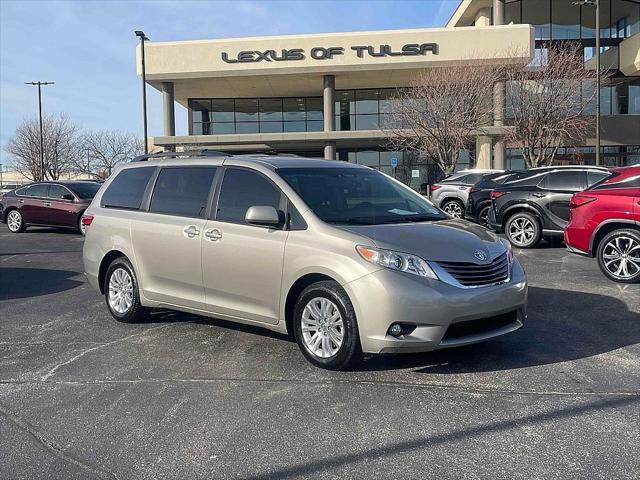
[87,47]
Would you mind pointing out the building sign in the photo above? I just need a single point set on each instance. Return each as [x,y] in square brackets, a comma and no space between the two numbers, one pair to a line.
[327,53]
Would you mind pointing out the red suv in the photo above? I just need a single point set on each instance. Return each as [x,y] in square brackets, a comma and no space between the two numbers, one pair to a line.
[605,223]
[52,204]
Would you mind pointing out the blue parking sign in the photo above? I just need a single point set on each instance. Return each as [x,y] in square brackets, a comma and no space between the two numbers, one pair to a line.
[394,162]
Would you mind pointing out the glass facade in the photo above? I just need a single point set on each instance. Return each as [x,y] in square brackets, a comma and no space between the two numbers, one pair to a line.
[612,156]
[364,109]
[220,116]
[562,20]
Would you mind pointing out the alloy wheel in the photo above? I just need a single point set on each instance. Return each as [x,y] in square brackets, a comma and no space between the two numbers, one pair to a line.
[453,208]
[483,218]
[522,231]
[621,257]
[322,327]
[14,220]
[120,291]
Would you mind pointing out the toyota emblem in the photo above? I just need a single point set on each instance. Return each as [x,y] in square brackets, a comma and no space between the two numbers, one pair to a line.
[480,255]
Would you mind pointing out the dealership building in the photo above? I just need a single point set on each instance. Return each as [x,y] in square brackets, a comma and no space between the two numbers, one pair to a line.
[329,95]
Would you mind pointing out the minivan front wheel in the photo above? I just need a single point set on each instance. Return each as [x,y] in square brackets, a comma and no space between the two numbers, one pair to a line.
[325,327]
[121,292]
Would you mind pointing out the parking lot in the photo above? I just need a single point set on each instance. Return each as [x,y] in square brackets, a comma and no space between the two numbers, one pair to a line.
[82,396]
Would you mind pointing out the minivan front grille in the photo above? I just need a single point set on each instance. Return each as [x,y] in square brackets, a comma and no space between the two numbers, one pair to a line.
[475,275]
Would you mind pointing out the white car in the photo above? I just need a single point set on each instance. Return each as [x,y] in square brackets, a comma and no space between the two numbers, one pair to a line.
[452,193]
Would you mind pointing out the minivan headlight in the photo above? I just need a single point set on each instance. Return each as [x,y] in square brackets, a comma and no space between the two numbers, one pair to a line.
[402,262]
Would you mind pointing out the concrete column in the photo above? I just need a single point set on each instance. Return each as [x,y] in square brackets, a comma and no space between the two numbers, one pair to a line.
[483,152]
[483,17]
[168,109]
[498,95]
[498,12]
[329,112]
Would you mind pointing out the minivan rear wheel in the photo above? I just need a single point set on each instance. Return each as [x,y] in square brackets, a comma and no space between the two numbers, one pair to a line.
[122,294]
[523,230]
[325,327]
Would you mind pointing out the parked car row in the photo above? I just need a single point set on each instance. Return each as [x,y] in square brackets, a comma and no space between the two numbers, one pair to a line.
[596,209]
[50,204]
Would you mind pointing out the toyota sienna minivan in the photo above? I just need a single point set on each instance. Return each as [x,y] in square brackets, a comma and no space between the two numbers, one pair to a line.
[341,256]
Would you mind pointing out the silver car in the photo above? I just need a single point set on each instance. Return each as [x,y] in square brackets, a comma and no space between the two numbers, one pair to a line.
[452,193]
[341,256]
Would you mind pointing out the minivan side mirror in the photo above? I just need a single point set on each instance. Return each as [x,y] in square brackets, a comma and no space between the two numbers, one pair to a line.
[68,196]
[264,216]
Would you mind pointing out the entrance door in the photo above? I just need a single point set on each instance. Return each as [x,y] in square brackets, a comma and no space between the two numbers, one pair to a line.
[167,239]
[242,264]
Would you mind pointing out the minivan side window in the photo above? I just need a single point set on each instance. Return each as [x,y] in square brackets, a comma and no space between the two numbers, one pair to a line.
[182,191]
[572,181]
[127,189]
[242,189]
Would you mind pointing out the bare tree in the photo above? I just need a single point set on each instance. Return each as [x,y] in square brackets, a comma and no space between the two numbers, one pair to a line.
[545,104]
[107,149]
[440,113]
[59,139]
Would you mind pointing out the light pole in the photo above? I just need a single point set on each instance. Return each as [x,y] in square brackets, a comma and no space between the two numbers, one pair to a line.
[1,184]
[596,3]
[39,84]
[143,38]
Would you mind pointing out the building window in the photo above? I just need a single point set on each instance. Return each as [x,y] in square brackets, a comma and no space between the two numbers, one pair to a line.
[565,19]
[538,14]
[228,116]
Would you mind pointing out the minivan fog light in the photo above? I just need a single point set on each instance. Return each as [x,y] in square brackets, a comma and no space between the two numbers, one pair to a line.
[395,330]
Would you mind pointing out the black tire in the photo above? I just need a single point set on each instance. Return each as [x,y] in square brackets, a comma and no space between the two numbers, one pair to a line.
[483,216]
[15,214]
[136,312]
[627,239]
[531,235]
[349,353]
[455,208]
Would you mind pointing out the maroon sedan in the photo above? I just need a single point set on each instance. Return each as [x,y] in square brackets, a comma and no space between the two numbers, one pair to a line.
[51,204]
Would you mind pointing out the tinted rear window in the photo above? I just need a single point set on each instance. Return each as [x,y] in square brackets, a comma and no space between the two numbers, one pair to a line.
[182,191]
[572,181]
[127,189]
[85,190]
[36,191]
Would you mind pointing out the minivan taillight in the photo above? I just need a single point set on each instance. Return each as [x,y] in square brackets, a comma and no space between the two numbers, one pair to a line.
[579,200]
[495,195]
[86,220]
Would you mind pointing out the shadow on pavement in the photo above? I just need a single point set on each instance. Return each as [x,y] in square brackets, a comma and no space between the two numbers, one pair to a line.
[33,282]
[562,325]
[423,443]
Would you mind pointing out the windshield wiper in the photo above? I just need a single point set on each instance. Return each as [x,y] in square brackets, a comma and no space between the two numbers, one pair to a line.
[411,219]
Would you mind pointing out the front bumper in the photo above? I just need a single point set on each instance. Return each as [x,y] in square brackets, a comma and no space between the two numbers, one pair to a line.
[431,306]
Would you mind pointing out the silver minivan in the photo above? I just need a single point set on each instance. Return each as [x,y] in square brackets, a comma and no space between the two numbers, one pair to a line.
[341,256]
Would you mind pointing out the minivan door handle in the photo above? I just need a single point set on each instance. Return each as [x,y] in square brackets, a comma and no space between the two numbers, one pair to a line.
[47,204]
[213,234]
[191,231]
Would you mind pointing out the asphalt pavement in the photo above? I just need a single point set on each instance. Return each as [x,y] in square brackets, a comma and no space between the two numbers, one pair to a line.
[187,397]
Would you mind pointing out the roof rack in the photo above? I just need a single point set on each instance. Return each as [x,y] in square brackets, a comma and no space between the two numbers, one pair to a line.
[190,153]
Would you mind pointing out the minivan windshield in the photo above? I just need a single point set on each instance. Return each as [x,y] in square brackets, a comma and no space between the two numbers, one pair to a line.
[358,196]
